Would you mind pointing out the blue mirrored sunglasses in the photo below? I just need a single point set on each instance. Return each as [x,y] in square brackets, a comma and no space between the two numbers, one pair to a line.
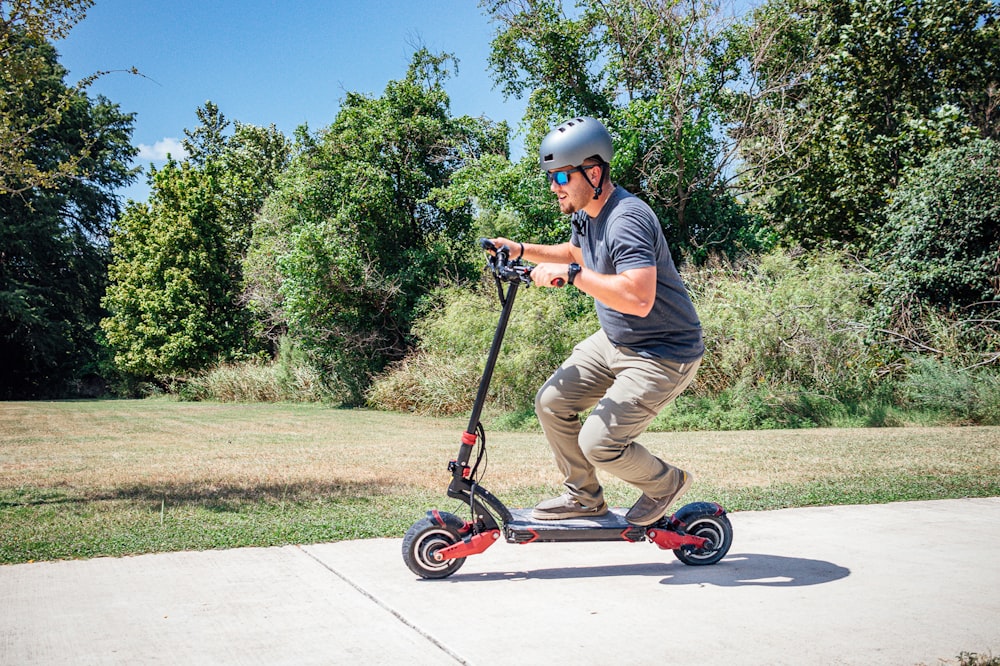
[562,177]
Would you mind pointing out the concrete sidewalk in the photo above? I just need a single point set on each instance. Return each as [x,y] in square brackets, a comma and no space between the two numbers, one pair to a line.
[908,583]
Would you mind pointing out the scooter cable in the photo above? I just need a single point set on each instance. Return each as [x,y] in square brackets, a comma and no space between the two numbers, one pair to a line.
[481,456]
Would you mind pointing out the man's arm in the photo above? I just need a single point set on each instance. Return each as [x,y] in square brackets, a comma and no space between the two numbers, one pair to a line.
[630,292]
[536,253]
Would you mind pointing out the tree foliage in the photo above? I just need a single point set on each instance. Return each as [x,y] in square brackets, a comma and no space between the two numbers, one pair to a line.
[661,76]
[942,248]
[169,283]
[861,123]
[53,239]
[175,296]
[349,244]
[893,82]
[543,51]
[26,27]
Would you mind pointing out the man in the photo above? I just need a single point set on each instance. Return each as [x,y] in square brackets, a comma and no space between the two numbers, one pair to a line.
[649,345]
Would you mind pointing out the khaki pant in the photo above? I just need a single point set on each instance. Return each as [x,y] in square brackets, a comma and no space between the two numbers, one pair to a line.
[626,391]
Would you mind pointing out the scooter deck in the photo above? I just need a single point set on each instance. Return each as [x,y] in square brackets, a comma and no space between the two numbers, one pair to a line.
[612,526]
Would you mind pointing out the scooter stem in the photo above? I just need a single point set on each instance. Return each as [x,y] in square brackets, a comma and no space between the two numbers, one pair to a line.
[491,362]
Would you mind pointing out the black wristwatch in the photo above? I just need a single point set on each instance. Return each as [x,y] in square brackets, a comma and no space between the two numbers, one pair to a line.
[572,272]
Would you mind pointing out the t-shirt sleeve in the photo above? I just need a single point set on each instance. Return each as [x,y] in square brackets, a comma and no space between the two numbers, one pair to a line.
[631,243]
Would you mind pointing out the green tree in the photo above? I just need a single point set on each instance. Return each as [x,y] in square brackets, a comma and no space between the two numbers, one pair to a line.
[245,160]
[168,297]
[206,142]
[544,52]
[349,244]
[659,75]
[890,83]
[176,279]
[36,22]
[942,246]
[53,239]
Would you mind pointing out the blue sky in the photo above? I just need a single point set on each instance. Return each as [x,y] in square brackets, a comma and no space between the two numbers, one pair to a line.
[285,62]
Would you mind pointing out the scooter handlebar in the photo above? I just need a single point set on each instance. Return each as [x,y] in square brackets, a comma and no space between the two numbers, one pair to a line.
[503,267]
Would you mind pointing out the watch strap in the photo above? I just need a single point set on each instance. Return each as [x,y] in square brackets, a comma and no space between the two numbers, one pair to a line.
[571,273]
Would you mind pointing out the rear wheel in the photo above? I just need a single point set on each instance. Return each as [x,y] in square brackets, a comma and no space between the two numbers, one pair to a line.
[716,528]
[424,538]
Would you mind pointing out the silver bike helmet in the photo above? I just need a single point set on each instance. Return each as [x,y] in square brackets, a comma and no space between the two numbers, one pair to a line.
[574,141]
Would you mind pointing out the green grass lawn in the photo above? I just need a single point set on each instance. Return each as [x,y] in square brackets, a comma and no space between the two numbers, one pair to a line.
[108,478]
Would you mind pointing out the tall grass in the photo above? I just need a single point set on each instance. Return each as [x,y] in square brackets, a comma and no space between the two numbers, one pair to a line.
[785,323]
[441,377]
[939,386]
[791,341]
[289,378]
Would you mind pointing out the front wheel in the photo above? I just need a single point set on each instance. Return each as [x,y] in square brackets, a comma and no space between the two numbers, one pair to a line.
[713,526]
[424,538]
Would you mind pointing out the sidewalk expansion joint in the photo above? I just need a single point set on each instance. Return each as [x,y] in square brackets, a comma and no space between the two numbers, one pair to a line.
[378,602]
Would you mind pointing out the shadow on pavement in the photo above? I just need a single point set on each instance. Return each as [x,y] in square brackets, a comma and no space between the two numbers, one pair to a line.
[736,570]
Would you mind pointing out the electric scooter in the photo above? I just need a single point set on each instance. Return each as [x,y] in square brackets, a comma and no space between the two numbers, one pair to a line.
[437,545]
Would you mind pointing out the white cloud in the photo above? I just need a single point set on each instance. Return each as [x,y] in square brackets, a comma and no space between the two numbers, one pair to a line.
[159,150]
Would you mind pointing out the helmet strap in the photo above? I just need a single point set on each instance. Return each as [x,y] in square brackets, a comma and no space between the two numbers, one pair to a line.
[600,186]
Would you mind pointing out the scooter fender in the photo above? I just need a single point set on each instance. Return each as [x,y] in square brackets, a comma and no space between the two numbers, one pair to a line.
[689,512]
[674,535]
[445,519]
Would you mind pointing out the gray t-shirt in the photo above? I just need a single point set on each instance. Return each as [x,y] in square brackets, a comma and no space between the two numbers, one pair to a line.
[627,235]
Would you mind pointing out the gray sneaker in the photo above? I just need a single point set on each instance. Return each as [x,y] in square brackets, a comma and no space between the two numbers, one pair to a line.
[648,509]
[565,506]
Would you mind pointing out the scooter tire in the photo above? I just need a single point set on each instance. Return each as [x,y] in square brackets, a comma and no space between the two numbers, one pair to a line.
[424,538]
[712,526]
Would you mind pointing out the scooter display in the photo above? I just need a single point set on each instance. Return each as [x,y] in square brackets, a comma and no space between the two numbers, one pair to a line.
[437,545]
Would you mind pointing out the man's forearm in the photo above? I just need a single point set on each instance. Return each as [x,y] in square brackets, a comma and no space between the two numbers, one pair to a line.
[563,253]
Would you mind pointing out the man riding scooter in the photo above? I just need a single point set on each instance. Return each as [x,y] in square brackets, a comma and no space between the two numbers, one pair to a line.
[647,350]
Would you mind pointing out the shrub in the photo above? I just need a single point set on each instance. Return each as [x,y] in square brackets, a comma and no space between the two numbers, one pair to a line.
[959,394]
[943,243]
[442,376]
[789,345]
[786,324]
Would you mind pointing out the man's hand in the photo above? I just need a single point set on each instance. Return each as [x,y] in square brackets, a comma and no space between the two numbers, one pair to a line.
[513,246]
[550,275]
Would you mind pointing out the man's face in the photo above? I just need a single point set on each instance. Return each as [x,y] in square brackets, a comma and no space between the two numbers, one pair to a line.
[577,193]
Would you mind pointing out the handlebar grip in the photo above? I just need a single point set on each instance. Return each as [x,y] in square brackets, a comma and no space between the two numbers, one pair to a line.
[558,282]
[487,244]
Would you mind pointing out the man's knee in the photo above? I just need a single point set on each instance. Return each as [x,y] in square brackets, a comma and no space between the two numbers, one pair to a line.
[543,400]
[550,400]
[597,444]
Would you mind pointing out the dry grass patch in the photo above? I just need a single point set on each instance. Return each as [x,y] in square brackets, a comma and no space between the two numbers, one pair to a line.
[172,445]
[103,446]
